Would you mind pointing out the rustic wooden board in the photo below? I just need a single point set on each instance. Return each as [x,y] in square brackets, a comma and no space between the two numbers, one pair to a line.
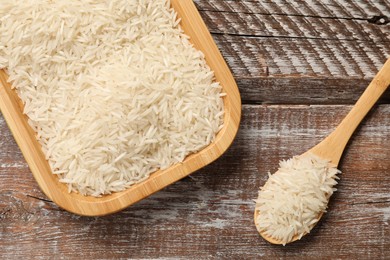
[340,9]
[293,26]
[275,57]
[210,213]
[316,56]
[328,47]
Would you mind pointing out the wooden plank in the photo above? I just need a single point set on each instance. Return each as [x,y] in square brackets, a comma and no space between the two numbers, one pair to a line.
[284,26]
[294,71]
[296,90]
[337,9]
[324,49]
[209,215]
[272,57]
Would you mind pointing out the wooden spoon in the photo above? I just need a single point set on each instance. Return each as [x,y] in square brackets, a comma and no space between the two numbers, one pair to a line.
[332,147]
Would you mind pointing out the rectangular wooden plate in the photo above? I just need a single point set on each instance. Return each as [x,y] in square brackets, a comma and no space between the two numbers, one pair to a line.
[12,109]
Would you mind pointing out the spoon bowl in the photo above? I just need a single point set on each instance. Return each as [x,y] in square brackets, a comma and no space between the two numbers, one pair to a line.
[332,147]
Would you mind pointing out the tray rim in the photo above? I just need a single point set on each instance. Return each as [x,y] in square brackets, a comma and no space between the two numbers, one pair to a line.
[11,107]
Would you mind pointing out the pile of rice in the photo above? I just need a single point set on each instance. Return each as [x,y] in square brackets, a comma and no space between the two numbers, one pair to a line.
[292,199]
[113,89]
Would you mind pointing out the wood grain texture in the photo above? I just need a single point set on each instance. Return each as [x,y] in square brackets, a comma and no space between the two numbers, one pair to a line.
[209,214]
[339,9]
[262,67]
[300,42]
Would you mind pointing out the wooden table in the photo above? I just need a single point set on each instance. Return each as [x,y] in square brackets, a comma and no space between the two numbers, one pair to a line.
[299,66]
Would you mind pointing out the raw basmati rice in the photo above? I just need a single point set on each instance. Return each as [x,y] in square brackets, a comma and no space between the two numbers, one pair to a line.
[292,199]
[113,89]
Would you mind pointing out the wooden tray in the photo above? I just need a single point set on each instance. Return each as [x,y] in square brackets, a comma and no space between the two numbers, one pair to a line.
[12,107]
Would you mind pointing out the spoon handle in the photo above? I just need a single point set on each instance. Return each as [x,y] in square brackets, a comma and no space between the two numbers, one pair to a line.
[333,146]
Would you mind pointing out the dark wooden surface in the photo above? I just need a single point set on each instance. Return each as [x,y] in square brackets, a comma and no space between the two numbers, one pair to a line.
[300,65]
